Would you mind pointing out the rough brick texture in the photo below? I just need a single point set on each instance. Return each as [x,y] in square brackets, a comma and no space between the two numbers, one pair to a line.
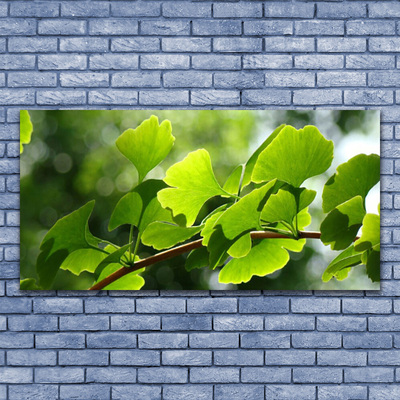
[199,54]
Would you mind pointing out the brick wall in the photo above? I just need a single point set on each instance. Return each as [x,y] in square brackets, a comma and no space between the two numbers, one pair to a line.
[199,345]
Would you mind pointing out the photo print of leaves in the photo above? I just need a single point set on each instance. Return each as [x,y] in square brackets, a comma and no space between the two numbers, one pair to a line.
[200,200]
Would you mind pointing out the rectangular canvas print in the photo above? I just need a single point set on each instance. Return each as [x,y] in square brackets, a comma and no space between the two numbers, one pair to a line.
[200,200]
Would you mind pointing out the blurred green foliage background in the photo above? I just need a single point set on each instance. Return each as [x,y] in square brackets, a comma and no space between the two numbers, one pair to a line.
[73,158]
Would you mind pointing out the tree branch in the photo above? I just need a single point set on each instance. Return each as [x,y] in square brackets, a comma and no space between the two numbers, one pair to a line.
[184,248]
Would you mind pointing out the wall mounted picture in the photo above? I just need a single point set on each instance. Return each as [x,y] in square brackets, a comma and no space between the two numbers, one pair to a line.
[200,200]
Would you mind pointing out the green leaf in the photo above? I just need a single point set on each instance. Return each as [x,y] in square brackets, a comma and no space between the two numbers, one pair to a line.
[263,259]
[348,258]
[147,145]
[25,128]
[370,233]
[355,177]
[131,281]
[197,258]
[161,235]
[193,184]
[232,184]
[113,258]
[83,260]
[253,159]
[140,207]
[294,156]
[29,284]
[68,234]
[374,264]
[241,247]
[341,225]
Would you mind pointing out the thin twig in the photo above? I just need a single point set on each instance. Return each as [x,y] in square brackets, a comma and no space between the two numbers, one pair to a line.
[184,248]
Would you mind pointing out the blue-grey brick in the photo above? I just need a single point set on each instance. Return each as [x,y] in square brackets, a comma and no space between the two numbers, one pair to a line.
[61,97]
[179,392]
[158,98]
[238,357]
[288,10]
[34,9]
[8,166]
[187,79]
[261,340]
[138,44]
[290,357]
[3,320]
[238,80]
[367,341]
[387,44]
[215,62]
[84,323]
[163,340]
[263,375]
[10,270]
[2,81]
[92,391]
[367,306]
[84,79]
[16,340]
[110,96]
[267,61]
[318,27]
[193,45]
[341,323]
[289,79]
[320,340]
[165,27]
[3,9]
[10,132]
[214,375]
[164,61]
[32,323]
[384,10]
[344,10]
[83,357]
[110,340]
[319,61]
[289,45]
[384,357]
[238,10]
[109,306]
[61,27]
[160,305]
[113,26]
[61,61]
[365,27]
[19,26]
[345,392]
[267,97]
[162,375]
[186,357]
[111,375]
[113,61]
[187,323]
[60,340]
[380,392]
[237,45]
[238,323]
[214,340]
[368,97]
[57,306]
[342,78]
[217,27]
[263,305]
[212,305]
[289,322]
[138,392]
[386,323]
[60,375]
[318,97]
[32,392]
[370,61]
[89,45]
[235,392]
[17,61]
[16,375]
[386,235]
[32,45]
[15,306]
[269,27]
[325,306]
[384,78]
[8,201]
[135,357]
[186,10]
[214,97]
[32,357]
[317,375]
[135,322]
[290,392]
[84,9]
[341,45]
[342,358]
[13,150]
[369,374]
[135,9]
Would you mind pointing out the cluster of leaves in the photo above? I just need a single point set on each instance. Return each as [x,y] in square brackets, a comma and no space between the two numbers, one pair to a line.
[265,194]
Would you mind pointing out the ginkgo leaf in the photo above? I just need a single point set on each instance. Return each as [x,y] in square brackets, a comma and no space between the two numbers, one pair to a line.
[370,233]
[233,183]
[210,221]
[197,258]
[131,281]
[25,128]
[241,247]
[374,264]
[341,225]
[355,177]
[83,260]
[29,284]
[294,156]
[162,235]
[114,257]
[193,183]
[140,207]
[147,145]
[68,234]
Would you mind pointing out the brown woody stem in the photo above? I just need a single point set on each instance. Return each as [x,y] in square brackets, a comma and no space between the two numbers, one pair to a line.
[184,248]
